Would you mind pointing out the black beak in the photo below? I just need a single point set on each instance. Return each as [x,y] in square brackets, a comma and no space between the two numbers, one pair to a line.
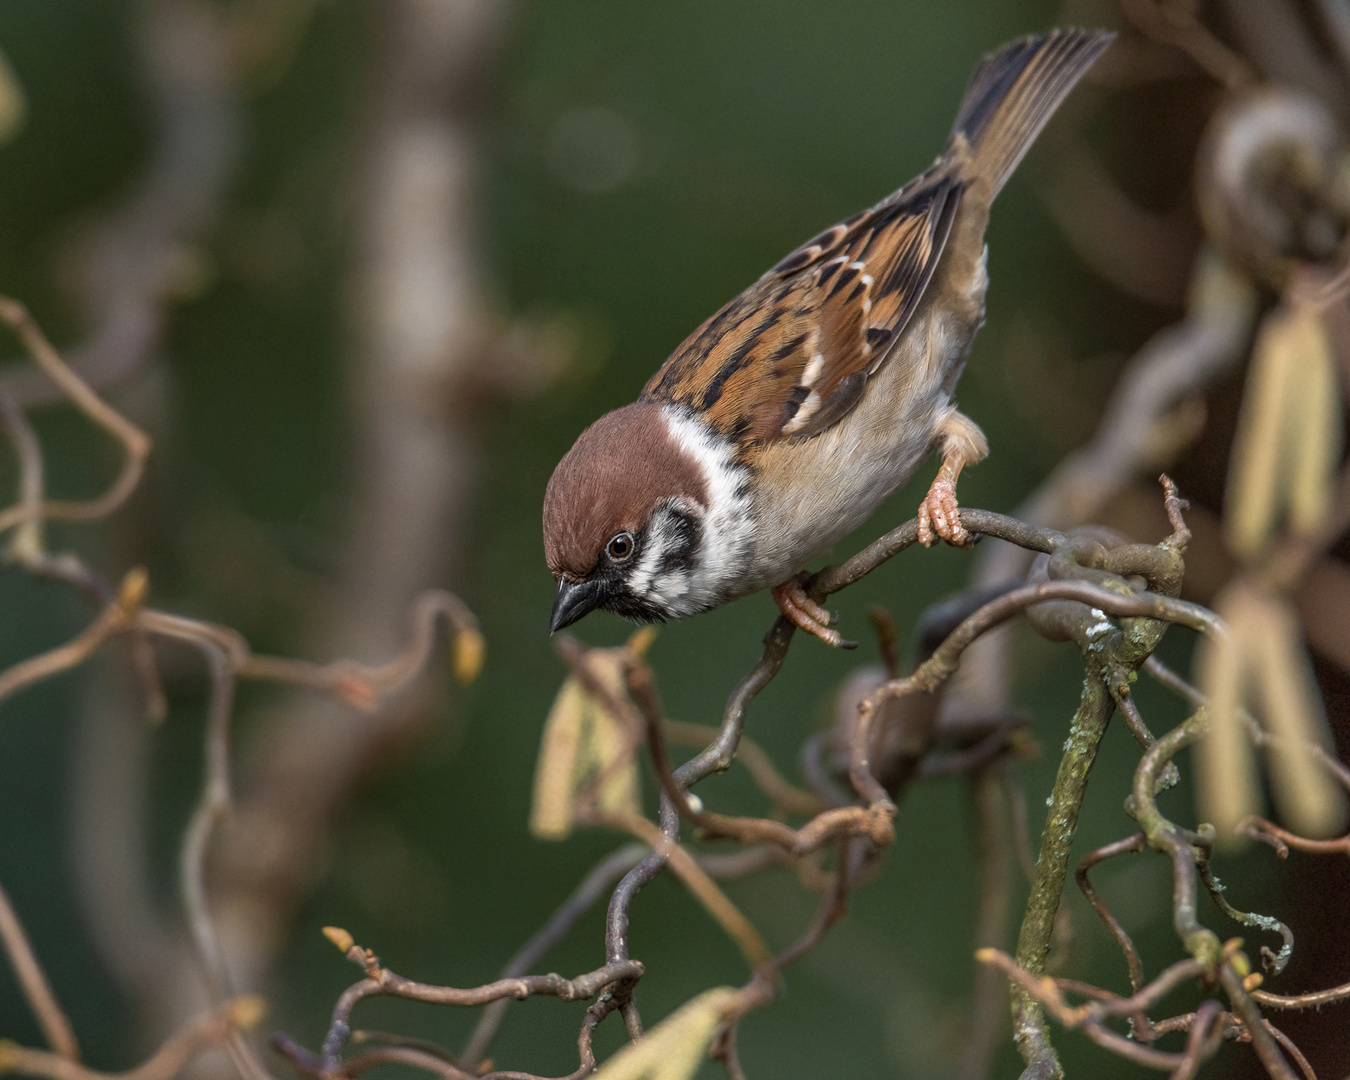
[574,601]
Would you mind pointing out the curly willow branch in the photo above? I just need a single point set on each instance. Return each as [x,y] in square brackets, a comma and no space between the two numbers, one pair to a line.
[135,442]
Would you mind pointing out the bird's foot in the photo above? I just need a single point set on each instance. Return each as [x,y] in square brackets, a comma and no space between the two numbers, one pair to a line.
[806,614]
[939,514]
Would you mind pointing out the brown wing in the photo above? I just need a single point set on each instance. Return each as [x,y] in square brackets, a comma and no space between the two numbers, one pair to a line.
[791,355]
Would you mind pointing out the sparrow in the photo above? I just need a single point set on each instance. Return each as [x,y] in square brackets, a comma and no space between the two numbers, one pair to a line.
[781,423]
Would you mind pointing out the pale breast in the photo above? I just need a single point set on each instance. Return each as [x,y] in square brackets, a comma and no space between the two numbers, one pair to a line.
[814,492]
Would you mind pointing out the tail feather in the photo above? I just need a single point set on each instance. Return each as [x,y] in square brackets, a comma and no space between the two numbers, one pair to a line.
[1015,91]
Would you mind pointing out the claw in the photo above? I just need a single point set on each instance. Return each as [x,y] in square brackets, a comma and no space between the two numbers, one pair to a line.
[793,602]
[939,514]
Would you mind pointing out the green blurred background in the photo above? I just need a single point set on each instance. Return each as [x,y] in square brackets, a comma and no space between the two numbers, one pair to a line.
[639,164]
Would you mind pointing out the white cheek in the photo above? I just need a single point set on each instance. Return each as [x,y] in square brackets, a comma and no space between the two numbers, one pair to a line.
[669,587]
[726,544]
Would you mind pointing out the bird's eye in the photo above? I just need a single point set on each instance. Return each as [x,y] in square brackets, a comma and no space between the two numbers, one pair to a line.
[620,547]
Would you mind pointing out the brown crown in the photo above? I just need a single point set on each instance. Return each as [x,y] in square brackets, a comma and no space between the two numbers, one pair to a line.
[621,468]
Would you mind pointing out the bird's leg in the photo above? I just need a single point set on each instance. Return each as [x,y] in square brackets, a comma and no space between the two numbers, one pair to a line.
[963,443]
[793,602]
[939,512]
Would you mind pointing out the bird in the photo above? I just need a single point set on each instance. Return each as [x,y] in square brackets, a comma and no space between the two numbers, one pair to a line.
[780,424]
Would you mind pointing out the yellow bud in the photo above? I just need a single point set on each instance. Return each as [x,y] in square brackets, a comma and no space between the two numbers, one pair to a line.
[339,937]
[469,649]
[247,1011]
[133,590]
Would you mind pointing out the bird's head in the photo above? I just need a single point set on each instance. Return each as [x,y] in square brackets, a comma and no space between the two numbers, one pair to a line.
[624,519]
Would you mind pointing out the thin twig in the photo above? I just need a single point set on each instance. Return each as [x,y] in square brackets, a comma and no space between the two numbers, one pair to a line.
[212,809]
[1202,943]
[1274,962]
[205,1031]
[784,795]
[213,804]
[1206,1029]
[1314,1000]
[697,880]
[135,442]
[64,657]
[1263,1041]
[1292,1049]
[1091,1017]
[380,980]
[37,990]
[1134,843]
[1282,839]
[761,988]
[361,685]
[582,899]
[28,536]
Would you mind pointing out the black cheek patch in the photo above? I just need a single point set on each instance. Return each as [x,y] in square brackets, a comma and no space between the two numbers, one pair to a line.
[684,531]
